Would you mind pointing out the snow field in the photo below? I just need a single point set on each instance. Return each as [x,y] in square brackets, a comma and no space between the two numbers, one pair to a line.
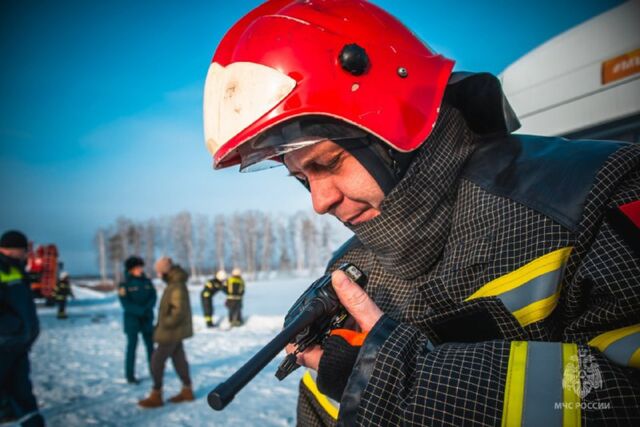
[78,363]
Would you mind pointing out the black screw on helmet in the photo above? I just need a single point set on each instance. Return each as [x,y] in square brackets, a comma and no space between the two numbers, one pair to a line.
[132,262]
[354,59]
[14,240]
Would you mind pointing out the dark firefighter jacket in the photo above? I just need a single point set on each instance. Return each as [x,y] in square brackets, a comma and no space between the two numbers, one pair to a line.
[138,298]
[211,288]
[19,325]
[510,287]
[62,290]
[174,312]
[235,288]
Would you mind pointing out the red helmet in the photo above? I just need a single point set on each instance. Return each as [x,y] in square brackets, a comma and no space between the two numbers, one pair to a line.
[343,59]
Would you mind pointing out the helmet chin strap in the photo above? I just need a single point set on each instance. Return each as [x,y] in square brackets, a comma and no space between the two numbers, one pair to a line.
[386,165]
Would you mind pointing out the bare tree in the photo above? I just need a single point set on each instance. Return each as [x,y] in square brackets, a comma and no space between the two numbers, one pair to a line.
[183,237]
[150,237]
[202,225]
[116,255]
[219,231]
[237,239]
[284,261]
[134,238]
[309,242]
[102,254]
[296,241]
[250,237]
[267,245]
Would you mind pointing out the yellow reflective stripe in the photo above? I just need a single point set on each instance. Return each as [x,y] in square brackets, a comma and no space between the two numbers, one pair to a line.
[634,361]
[571,416]
[514,386]
[321,398]
[537,311]
[13,275]
[601,342]
[546,263]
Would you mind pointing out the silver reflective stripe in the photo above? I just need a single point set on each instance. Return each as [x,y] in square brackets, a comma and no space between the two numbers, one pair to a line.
[534,290]
[621,351]
[543,385]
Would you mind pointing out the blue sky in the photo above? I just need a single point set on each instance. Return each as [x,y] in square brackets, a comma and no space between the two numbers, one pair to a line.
[100,105]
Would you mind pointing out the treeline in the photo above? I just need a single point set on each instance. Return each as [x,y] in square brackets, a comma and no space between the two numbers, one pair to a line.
[257,242]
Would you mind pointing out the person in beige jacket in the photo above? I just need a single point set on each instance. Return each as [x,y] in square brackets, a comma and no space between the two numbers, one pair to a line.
[174,325]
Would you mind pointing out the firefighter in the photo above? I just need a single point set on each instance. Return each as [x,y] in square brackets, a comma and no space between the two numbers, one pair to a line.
[503,269]
[61,291]
[235,293]
[211,287]
[19,328]
[138,298]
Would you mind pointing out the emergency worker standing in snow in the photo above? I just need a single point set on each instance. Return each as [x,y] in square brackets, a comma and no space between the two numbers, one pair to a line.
[19,328]
[61,291]
[138,298]
[235,294]
[504,270]
[211,287]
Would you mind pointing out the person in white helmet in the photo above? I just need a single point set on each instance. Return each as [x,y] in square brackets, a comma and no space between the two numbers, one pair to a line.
[211,287]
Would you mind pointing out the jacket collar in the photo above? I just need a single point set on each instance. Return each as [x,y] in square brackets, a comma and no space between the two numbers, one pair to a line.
[411,231]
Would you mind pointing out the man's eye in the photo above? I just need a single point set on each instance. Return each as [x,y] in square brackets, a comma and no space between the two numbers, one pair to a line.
[299,177]
[334,162]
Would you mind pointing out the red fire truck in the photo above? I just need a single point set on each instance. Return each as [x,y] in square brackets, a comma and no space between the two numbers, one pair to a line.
[42,265]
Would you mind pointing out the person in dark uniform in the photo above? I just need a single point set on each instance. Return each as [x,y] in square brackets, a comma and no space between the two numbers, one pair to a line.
[19,328]
[206,296]
[60,294]
[138,298]
[235,293]
[503,269]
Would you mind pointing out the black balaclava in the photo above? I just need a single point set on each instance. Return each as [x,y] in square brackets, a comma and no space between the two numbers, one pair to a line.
[385,164]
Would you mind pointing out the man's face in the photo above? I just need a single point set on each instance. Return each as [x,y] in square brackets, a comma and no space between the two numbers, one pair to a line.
[339,184]
[16,253]
[137,271]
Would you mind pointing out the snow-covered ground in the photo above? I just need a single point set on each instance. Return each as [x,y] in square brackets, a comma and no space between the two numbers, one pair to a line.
[78,364]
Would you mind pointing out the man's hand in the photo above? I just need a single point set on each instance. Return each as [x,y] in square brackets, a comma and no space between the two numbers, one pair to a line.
[354,299]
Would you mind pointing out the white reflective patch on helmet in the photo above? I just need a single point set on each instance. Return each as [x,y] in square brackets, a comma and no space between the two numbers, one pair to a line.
[237,95]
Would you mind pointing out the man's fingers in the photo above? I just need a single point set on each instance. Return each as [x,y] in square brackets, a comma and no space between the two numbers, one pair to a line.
[309,358]
[356,301]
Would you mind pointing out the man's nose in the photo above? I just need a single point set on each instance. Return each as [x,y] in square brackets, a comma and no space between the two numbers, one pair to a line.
[324,195]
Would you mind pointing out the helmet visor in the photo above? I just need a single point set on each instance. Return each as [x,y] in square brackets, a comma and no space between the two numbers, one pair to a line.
[266,150]
[237,95]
